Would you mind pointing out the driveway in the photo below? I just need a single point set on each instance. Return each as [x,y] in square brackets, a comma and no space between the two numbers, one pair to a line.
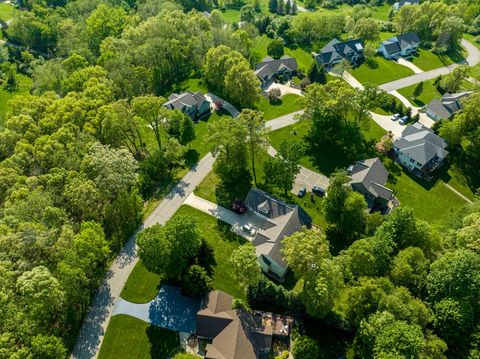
[168,310]
[409,64]
[225,104]
[237,221]
[387,124]
[284,89]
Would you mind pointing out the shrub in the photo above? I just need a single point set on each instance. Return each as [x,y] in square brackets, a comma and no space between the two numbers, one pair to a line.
[305,348]
[274,95]
[196,282]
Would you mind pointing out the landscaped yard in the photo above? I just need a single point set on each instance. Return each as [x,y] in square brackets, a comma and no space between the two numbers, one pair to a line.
[427,60]
[287,104]
[7,11]
[142,286]
[128,337]
[231,15]
[428,94]
[24,85]
[380,72]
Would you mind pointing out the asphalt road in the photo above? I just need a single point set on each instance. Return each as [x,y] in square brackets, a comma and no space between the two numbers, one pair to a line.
[96,321]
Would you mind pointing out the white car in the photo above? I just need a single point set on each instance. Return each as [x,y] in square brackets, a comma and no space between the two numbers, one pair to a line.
[395,117]
[249,229]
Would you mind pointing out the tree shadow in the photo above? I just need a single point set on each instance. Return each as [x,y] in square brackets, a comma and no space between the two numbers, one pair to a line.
[192,157]
[162,341]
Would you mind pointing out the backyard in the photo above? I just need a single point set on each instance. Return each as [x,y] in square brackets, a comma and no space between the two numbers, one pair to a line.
[128,337]
[380,71]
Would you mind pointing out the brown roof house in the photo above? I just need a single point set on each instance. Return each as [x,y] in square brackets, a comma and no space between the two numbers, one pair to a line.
[369,177]
[280,220]
[235,333]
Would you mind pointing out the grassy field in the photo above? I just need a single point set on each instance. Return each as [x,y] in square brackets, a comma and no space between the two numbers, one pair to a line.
[142,286]
[427,60]
[231,15]
[386,35]
[287,104]
[128,337]
[380,72]
[24,85]
[428,94]
[471,39]
[7,11]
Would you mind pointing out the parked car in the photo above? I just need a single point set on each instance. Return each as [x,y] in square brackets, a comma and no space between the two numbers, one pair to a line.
[403,120]
[318,191]
[239,207]
[302,192]
[395,117]
[249,229]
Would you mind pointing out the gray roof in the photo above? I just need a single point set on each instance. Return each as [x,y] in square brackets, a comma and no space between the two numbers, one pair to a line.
[283,220]
[185,99]
[446,106]
[335,51]
[400,3]
[398,43]
[421,144]
[269,66]
[370,175]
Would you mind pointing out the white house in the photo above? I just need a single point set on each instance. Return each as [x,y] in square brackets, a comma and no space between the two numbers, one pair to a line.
[400,45]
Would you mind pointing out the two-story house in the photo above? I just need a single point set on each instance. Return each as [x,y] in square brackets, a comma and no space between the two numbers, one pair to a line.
[193,104]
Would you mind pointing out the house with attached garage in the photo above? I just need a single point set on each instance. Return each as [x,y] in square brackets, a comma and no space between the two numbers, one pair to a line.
[336,51]
[420,150]
[445,107]
[236,333]
[280,220]
[400,45]
[193,104]
[369,177]
[270,69]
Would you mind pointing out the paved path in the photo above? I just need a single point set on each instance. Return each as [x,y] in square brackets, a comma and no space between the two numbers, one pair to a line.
[457,193]
[232,110]
[410,65]
[284,89]
[387,124]
[96,321]
[473,58]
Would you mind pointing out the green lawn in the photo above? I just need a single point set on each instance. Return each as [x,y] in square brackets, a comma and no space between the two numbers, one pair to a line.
[428,94]
[471,39]
[24,85]
[381,12]
[7,11]
[127,337]
[380,72]
[386,35]
[206,188]
[192,84]
[142,286]
[427,60]
[231,15]
[287,104]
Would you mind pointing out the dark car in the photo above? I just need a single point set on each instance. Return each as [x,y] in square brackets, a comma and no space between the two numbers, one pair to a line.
[318,191]
[302,192]
[239,207]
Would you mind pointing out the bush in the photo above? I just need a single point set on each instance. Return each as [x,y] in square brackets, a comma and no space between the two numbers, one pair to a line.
[274,95]
[275,48]
[305,348]
[196,282]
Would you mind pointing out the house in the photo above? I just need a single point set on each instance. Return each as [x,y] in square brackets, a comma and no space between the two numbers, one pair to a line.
[368,177]
[236,333]
[280,220]
[420,150]
[269,68]
[400,45]
[400,3]
[445,107]
[193,104]
[335,52]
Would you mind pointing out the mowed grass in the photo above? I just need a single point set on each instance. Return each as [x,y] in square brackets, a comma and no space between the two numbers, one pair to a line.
[429,93]
[471,38]
[24,86]
[142,285]
[127,337]
[231,15]
[287,104]
[427,60]
[7,11]
[380,71]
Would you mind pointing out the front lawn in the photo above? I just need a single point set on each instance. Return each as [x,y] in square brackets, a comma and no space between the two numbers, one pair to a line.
[142,286]
[427,60]
[287,104]
[129,337]
[428,94]
[380,71]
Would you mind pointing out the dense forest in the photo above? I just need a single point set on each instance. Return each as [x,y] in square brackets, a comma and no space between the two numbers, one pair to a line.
[92,142]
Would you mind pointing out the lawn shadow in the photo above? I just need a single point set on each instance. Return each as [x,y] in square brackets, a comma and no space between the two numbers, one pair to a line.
[227,234]
[332,342]
[163,342]
[326,159]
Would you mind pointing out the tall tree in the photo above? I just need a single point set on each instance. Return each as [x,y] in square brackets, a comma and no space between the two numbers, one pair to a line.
[245,266]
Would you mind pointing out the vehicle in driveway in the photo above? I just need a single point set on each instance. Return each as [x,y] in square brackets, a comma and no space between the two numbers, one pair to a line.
[302,192]
[239,207]
[403,120]
[249,229]
[395,117]
[318,191]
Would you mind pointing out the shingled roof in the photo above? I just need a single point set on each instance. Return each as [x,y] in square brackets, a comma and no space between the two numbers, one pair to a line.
[421,144]
[446,106]
[400,42]
[370,176]
[335,51]
[185,99]
[269,66]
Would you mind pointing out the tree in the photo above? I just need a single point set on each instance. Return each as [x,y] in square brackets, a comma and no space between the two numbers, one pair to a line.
[367,29]
[242,85]
[418,90]
[344,208]
[305,347]
[151,109]
[272,5]
[282,169]
[245,265]
[449,34]
[294,9]
[281,7]
[275,48]
[317,74]
[410,269]
[247,14]
[254,122]
[451,83]
[47,347]
[167,249]
[274,95]
[288,7]
[400,340]
[196,282]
